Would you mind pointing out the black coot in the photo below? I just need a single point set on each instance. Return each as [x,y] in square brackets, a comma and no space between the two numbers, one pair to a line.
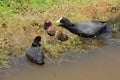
[61,36]
[47,24]
[34,53]
[51,31]
[86,28]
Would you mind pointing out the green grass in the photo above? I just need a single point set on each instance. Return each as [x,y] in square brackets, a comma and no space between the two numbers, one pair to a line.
[20,15]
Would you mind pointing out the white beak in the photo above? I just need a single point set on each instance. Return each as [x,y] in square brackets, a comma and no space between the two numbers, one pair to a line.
[58,21]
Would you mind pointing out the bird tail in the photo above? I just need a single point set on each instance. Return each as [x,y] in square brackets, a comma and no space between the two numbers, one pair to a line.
[105,30]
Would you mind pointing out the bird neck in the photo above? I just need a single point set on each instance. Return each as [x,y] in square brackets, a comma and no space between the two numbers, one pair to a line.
[36,44]
[67,25]
[48,24]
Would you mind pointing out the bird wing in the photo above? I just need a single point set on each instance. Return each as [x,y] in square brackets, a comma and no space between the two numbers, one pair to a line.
[40,55]
[36,54]
[89,27]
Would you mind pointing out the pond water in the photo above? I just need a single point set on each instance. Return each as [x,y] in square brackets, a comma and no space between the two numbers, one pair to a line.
[99,64]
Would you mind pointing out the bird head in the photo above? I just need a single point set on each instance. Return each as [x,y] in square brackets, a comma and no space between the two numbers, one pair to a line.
[51,28]
[36,41]
[60,31]
[48,20]
[64,22]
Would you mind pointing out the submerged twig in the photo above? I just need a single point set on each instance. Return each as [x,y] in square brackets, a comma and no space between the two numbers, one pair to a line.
[49,59]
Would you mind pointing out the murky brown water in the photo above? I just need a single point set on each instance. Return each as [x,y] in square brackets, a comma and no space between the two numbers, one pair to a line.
[100,64]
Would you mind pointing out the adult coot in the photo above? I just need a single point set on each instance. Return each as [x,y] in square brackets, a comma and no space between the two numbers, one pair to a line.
[84,29]
[34,52]
[61,36]
[51,31]
[47,24]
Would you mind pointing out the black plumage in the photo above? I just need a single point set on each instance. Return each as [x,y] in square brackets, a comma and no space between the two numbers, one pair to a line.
[61,36]
[51,31]
[34,53]
[47,24]
[84,29]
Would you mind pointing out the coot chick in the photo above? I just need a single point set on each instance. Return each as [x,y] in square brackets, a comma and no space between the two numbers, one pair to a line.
[51,31]
[61,36]
[47,24]
[84,29]
[34,53]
